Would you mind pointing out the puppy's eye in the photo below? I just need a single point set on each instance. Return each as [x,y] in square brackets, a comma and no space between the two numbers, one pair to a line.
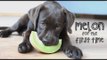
[43,23]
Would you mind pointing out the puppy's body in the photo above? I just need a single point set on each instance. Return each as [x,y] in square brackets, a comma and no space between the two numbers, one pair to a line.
[51,22]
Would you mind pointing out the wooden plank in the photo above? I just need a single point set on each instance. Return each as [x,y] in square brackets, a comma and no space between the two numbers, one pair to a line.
[11,14]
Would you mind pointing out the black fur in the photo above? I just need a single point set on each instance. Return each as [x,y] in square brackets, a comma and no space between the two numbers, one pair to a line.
[51,22]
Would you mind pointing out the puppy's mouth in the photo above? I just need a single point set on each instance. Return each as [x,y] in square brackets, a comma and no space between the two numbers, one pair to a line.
[49,42]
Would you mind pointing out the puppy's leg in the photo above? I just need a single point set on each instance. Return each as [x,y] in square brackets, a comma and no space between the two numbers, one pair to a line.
[70,50]
[19,26]
[26,46]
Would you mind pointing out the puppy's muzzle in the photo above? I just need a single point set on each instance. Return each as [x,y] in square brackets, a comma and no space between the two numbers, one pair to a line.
[50,40]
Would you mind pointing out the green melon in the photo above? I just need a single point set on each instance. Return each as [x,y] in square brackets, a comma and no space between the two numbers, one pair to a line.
[38,45]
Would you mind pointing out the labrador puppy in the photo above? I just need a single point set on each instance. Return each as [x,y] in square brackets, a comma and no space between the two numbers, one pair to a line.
[51,22]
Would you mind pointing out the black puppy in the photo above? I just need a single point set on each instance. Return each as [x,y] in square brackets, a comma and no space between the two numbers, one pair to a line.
[51,22]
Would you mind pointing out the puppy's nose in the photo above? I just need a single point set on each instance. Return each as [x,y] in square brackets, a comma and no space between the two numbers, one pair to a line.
[49,42]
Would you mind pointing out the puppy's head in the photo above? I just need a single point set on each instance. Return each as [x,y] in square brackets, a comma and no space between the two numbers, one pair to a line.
[49,23]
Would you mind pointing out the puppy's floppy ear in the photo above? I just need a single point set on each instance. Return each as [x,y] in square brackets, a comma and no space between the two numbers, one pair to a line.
[34,14]
[70,17]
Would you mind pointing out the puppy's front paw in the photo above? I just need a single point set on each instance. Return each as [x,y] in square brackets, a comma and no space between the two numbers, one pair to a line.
[24,48]
[73,52]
